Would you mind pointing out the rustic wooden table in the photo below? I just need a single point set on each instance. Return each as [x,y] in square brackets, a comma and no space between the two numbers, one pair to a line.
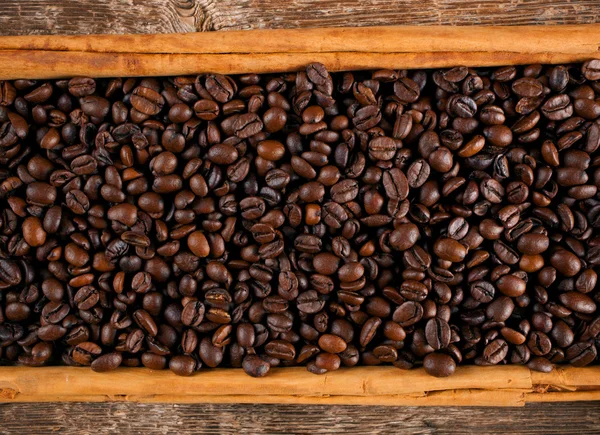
[19,17]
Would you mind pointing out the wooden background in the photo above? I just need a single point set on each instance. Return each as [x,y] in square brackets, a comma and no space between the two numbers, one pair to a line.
[25,17]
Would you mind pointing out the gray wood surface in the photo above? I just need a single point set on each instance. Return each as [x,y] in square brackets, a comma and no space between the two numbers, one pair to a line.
[24,17]
[126,418]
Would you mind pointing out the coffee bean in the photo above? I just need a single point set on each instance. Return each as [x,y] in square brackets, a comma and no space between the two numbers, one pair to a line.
[449,249]
[511,285]
[408,313]
[483,291]
[107,362]
[539,343]
[439,365]
[344,191]
[368,330]
[182,365]
[404,237]
[557,107]
[578,302]
[500,309]
[396,184]
[581,354]
[332,343]
[407,90]
[198,244]
[281,349]
[147,100]
[565,262]
[437,333]
[81,86]
[328,361]
[382,148]
[591,69]
[256,366]
[222,154]
[418,173]
[495,352]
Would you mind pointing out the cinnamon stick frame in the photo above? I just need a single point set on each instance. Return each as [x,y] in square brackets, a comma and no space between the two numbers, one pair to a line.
[469,386]
[266,51]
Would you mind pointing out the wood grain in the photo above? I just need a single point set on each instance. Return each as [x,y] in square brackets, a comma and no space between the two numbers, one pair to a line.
[110,418]
[19,17]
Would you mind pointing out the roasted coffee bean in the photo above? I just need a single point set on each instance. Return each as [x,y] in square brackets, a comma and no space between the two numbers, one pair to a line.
[439,365]
[193,313]
[449,249]
[396,184]
[581,354]
[255,366]
[107,362]
[332,343]
[437,333]
[483,291]
[281,349]
[495,352]
[182,365]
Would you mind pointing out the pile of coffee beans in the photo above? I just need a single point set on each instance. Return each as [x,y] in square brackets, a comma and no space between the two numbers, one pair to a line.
[411,218]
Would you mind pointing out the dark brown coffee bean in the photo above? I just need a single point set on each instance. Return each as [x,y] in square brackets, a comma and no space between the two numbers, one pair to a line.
[407,90]
[482,291]
[581,354]
[182,365]
[256,366]
[437,333]
[107,362]
[496,351]
[449,249]
[396,184]
[439,365]
[281,349]
[332,343]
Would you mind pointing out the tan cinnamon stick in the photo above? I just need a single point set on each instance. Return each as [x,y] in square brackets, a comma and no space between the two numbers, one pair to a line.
[575,396]
[440,398]
[489,386]
[568,378]
[365,381]
[263,51]
[51,65]
[381,39]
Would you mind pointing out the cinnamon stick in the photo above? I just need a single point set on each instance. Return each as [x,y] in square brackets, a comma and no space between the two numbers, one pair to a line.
[470,385]
[267,51]
[380,39]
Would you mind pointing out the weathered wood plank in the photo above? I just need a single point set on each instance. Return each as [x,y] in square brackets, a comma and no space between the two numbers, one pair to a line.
[110,418]
[19,17]
[233,14]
